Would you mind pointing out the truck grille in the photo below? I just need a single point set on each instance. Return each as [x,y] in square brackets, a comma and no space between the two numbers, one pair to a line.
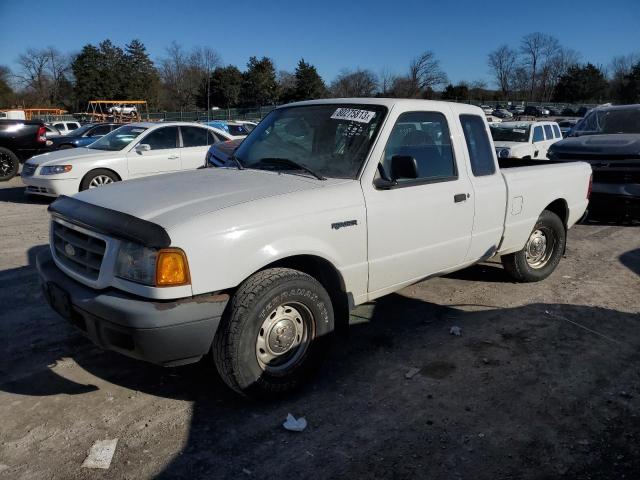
[28,170]
[78,251]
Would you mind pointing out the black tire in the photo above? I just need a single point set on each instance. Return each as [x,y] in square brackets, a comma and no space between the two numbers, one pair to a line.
[525,269]
[236,347]
[9,164]
[97,173]
[66,146]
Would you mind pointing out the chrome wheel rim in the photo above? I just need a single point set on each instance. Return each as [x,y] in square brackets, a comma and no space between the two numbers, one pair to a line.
[99,181]
[539,247]
[283,337]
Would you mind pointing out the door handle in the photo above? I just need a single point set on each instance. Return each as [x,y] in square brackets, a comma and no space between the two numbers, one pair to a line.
[173,157]
[461,197]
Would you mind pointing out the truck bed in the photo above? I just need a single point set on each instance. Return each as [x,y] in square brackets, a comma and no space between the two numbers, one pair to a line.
[532,185]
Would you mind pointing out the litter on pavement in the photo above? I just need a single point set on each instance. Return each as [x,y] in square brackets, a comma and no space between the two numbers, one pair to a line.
[295,425]
[100,454]
[457,331]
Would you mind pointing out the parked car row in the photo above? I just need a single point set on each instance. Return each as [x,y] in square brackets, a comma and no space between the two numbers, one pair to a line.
[130,151]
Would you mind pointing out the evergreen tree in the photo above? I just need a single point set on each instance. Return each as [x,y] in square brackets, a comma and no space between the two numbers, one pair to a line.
[259,86]
[142,77]
[6,92]
[225,87]
[581,84]
[629,89]
[309,84]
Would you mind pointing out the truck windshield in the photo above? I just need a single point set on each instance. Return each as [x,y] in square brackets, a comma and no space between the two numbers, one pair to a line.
[619,120]
[118,139]
[510,133]
[331,140]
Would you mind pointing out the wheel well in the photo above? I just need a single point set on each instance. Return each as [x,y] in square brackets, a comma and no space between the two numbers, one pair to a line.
[560,208]
[105,169]
[323,271]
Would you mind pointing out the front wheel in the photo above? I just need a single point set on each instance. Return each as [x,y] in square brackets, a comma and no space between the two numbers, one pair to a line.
[542,252]
[98,178]
[9,164]
[275,333]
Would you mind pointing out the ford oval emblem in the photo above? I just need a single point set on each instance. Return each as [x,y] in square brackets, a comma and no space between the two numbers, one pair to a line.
[69,250]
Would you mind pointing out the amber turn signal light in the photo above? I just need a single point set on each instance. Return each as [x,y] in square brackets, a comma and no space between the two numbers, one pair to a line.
[172,269]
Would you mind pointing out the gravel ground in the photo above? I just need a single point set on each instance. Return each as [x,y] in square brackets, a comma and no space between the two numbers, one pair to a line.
[542,383]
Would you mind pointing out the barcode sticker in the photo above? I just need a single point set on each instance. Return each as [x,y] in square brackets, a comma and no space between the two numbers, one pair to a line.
[362,116]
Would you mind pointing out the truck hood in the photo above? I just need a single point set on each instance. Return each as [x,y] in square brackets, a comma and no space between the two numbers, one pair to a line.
[69,156]
[594,146]
[168,200]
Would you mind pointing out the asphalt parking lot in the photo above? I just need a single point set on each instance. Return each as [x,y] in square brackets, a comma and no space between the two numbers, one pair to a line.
[544,381]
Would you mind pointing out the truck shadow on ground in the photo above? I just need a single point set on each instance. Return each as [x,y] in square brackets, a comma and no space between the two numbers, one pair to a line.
[631,260]
[522,380]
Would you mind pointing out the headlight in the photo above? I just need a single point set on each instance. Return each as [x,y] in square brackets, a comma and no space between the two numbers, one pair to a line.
[136,263]
[55,169]
[503,153]
[167,267]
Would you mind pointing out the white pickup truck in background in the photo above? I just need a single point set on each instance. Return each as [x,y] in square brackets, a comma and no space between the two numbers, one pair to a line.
[328,204]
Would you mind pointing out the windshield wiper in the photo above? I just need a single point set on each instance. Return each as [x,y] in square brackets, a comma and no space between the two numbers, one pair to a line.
[292,165]
[237,161]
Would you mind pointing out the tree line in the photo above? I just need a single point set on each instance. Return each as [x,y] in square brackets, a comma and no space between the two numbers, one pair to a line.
[538,69]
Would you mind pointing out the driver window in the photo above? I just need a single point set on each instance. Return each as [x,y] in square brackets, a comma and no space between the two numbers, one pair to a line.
[425,137]
[162,139]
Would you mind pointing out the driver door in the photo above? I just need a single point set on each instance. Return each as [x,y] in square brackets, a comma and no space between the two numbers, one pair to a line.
[163,156]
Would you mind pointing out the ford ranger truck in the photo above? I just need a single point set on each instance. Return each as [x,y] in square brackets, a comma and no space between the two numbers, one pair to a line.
[324,206]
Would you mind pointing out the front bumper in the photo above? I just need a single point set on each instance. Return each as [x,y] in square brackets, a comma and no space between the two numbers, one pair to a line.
[51,187]
[616,199]
[166,333]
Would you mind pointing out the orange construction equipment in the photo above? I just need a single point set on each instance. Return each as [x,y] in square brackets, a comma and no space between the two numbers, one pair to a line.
[117,110]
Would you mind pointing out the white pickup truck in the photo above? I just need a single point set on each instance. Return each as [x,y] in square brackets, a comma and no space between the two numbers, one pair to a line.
[325,205]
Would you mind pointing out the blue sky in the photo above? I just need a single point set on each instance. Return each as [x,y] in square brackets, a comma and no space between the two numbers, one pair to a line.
[330,34]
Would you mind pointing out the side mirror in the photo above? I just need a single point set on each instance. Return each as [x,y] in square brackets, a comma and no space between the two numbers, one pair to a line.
[143,147]
[403,166]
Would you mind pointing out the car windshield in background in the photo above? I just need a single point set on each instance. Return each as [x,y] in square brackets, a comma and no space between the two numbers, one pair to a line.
[331,140]
[510,133]
[619,120]
[237,130]
[118,139]
[79,131]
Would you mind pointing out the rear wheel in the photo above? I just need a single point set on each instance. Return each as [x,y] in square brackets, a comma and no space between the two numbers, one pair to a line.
[542,252]
[98,178]
[275,333]
[9,164]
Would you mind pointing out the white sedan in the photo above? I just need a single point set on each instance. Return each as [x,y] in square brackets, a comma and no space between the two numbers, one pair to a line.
[131,151]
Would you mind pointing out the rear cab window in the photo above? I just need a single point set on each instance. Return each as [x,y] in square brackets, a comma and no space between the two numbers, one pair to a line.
[478,145]
[556,131]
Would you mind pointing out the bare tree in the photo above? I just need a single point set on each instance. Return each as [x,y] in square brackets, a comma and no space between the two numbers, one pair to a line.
[33,76]
[183,74]
[41,74]
[502,62]
[537,48]
[359,83]
[385,82]
[425,73]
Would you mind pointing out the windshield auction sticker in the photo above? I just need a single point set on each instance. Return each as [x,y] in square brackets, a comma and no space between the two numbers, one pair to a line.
[353,114]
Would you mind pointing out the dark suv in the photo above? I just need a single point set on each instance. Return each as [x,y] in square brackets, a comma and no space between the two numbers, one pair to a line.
[608,138]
